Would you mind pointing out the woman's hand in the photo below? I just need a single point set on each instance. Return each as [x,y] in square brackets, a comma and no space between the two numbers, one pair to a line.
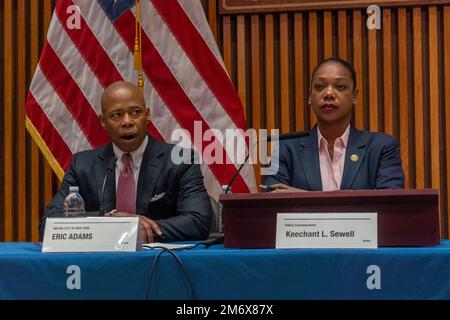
[281,187]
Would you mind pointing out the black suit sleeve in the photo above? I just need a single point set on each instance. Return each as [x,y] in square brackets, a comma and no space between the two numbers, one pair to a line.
[284,172]
[390,173]
[193,207]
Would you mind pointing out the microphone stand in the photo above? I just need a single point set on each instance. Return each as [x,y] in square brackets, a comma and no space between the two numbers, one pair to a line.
[284,136]
[110,168]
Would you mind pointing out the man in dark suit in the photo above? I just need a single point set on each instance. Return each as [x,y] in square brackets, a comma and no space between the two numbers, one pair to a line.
[335,155]
[141,178]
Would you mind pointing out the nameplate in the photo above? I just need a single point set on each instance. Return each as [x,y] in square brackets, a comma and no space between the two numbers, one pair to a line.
[326,230]
[92,234]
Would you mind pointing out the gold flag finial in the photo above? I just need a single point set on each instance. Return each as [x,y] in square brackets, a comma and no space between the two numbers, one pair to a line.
[138,44]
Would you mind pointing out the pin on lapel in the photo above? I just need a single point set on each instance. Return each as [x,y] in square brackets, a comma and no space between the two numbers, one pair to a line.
[354,157]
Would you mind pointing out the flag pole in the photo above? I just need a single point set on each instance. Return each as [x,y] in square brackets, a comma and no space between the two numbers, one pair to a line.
[138,45]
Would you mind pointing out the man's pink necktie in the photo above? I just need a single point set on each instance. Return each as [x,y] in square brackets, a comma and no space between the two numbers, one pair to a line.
[126,187]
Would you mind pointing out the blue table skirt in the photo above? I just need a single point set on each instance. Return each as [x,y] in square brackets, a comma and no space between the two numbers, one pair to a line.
[219,273]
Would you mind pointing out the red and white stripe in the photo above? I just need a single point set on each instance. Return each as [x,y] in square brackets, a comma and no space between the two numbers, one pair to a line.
[184,80]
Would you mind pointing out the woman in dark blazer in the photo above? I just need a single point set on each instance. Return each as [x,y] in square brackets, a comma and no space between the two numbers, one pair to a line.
[336,156]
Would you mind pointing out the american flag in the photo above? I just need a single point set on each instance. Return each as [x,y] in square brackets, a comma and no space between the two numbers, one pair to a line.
[91,47]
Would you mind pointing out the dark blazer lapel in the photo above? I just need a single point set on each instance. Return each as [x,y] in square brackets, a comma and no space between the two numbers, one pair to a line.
[309,156]
[109,197]
[148,175]
[354,156]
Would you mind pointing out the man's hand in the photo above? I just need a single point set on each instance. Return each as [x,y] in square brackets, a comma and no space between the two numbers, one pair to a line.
[281,187]
[148,226]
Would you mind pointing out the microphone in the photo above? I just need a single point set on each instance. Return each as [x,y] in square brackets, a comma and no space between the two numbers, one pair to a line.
[111,166]
[284,136]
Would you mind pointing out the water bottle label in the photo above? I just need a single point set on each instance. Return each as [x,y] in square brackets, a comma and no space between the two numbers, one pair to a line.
[74,206]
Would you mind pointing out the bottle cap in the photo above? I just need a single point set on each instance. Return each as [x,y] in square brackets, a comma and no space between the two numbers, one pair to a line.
[73,189]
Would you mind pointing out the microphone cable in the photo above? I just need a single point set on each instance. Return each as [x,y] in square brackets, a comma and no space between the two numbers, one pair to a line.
[217,239]
[180,264]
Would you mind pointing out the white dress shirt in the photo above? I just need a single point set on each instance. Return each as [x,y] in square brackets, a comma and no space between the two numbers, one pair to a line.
[331,170]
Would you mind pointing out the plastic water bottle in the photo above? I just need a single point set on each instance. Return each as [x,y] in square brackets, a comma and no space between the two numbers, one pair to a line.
[74,204]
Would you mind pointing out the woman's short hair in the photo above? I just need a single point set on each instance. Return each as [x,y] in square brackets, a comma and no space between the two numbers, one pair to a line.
[344,63]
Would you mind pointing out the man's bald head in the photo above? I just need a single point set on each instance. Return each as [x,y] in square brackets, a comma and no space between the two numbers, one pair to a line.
[120,89]
[124,115]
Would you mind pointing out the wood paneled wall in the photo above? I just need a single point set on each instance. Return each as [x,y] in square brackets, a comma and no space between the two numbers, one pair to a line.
[403,77]
[27,183]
